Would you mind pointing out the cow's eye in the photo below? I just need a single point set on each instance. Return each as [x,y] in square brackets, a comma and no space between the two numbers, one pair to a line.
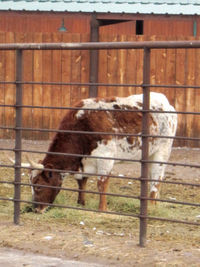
[37,188]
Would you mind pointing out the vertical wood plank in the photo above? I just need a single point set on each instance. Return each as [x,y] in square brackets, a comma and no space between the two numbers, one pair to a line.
[139,65]
[2,86]
[112,63]
[56,92]
[196,128]
[153,64]
[10,88]
[66,72]
[76,70]
[37,89]
[131,67]
[168,64]
[190,93]
[160,70]
[47,89]
[85,59]
[121,67]
[170,74]
[103,67]
[180,92]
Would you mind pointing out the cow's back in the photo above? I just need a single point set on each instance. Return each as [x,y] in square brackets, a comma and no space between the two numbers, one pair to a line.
[122,115]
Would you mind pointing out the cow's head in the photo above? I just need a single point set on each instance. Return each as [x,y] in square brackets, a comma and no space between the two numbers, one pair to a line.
[42,179]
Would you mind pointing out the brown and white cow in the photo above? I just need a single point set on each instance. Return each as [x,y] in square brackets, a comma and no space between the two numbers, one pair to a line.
[99,145]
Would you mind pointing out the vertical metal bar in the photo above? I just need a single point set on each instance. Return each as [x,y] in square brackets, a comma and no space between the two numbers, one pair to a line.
[18,123]
[94,57]
[145,148]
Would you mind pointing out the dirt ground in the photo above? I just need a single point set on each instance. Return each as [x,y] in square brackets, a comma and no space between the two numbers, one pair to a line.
[167,244]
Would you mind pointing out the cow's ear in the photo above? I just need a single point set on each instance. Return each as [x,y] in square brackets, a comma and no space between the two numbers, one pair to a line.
[48,173]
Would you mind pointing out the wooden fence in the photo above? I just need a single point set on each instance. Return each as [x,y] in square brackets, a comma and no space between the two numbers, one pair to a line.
[168,66]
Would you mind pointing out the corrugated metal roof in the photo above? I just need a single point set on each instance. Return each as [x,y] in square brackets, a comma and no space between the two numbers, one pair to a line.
[174,7]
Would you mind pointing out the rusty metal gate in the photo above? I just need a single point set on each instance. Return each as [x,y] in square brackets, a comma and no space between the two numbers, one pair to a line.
[146,86]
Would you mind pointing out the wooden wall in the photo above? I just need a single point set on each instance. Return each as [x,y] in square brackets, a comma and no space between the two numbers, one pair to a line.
[173,66]
[11,21]
[26,22]
[170,27]
[154,26]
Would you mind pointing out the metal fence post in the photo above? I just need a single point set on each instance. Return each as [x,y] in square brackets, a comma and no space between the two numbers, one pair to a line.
[145,148]
[18,124]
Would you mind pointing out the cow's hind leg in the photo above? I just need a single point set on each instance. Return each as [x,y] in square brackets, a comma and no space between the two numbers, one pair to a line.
[156,173]
[82,186]
[157,170]
[102,187]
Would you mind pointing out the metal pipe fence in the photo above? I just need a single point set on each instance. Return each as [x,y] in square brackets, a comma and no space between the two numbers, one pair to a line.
[144,161]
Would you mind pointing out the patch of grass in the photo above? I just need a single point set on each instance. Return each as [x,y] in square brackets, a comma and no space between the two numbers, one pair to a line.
[124,205]
[57,213]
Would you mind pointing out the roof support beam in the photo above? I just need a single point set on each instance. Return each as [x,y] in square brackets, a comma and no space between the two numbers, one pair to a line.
[94,56]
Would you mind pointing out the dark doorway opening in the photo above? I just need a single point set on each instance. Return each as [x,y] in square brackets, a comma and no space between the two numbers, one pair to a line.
[139,27]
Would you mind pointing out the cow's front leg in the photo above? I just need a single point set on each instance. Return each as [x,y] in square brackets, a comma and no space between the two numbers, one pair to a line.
[102,187]
[82,186]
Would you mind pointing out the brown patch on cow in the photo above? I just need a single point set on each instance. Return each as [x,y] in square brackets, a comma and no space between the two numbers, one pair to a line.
[131,140]
[105,142]
[156,108]
[140,104]
[128,121]
[116,106]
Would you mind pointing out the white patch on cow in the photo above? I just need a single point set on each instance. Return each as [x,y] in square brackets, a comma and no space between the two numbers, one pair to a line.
[127,150]
[78,176]
[157,101]
[153,188]
[34,173]
[98,165]
[32,191]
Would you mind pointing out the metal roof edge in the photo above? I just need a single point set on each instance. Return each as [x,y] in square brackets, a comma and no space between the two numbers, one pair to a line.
[131,7]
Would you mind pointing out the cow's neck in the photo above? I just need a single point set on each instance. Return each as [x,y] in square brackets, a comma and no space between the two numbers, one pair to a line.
[63,144]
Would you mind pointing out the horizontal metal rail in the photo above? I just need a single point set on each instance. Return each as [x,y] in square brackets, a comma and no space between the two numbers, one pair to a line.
[92,109]
[110,194]
[111,175]
[101,45]
[90,133]
[102,84]
[106,212]
[100,133]
[99,157]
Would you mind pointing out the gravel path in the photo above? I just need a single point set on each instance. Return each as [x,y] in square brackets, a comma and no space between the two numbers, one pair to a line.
[17,258]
